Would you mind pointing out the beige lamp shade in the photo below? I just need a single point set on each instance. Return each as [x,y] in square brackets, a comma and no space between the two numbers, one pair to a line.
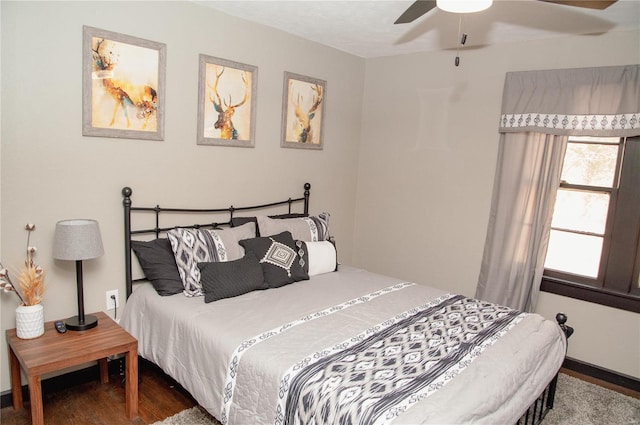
[77,240]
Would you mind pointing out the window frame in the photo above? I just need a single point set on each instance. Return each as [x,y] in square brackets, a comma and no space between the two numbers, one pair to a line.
[611,287]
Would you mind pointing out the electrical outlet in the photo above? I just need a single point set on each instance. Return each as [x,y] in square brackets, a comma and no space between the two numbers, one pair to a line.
[111,304]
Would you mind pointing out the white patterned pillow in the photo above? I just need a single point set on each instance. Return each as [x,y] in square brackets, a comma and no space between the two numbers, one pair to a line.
[322,257]
[193,246]
[308,229]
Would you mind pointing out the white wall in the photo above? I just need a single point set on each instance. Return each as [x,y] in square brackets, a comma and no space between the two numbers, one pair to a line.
[51,172]
[427,163]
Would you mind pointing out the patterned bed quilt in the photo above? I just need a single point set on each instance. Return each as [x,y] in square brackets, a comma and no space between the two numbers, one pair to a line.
[349,347]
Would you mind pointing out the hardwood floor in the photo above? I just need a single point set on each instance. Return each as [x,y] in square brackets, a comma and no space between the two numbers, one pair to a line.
[96,404]
[159,397]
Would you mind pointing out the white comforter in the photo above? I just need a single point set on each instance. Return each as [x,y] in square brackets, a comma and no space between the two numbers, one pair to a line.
[196,343]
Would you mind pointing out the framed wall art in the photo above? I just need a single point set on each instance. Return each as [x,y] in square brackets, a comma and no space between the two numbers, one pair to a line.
[302,112]
[227,95]
[123,85]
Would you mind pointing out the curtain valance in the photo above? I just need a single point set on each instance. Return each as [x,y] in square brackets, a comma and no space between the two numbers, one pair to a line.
[603,101]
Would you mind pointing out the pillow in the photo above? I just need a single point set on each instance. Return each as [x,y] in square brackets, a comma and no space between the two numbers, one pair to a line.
[193,246]
[239,221]
[159,265]
[278,254]
[321,257]
[308,229]
[231,278]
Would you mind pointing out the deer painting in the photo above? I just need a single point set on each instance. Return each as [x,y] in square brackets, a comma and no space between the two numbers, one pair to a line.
[124,93]
[225,109]
[303,124]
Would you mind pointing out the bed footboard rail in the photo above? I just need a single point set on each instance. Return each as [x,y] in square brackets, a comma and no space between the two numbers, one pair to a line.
[541,406]
[544,403]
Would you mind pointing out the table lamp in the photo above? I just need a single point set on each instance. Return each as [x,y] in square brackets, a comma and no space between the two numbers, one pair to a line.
[77,240]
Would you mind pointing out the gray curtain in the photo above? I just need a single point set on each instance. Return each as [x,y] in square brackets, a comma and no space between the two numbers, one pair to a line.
[573,102]
[525,186]
[540,109]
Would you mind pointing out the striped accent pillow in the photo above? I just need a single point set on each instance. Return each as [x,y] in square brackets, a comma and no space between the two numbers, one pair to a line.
[193,246]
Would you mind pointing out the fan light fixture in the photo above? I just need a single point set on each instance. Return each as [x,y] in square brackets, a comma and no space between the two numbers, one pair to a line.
[463,6]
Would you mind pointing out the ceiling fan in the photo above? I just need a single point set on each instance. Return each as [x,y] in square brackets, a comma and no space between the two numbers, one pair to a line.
[420,7]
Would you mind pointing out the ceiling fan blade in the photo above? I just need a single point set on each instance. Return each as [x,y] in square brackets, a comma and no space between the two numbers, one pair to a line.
[590,4]
[416,10]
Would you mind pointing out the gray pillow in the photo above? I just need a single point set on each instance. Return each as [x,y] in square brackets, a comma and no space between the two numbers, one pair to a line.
[239,221]
[308,229]
[231,278]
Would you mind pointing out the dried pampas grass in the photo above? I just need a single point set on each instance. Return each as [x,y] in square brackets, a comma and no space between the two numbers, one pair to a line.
[31,281]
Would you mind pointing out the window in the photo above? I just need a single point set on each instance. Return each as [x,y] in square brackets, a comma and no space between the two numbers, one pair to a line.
[595,232]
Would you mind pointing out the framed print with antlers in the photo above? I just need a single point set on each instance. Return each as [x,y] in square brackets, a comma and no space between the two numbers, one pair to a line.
[226,102]
[302,111]
[123,85]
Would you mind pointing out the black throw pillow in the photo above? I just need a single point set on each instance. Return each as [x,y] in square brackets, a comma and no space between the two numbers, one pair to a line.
[226,279]
[159,265]
[279,257]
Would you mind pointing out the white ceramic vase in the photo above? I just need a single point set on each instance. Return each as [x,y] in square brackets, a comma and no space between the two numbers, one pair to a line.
[29,321]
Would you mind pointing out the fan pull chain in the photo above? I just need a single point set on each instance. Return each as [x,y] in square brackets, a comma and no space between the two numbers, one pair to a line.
[463,40]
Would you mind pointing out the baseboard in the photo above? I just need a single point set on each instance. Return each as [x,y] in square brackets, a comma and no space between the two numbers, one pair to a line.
[602,374]
[68,380]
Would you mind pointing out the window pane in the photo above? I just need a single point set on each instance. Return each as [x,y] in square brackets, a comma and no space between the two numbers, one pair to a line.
[581,211]
[574,253]
[590,164]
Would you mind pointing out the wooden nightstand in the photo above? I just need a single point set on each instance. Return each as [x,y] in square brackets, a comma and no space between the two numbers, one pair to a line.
[54,351]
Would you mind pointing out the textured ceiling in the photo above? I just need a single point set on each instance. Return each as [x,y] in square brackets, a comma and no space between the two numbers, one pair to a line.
[365,27]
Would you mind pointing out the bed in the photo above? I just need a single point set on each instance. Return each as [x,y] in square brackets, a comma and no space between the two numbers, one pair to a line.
[264,327]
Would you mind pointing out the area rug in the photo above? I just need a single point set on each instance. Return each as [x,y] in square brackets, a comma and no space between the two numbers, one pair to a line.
[577,403]
[194,416]
[581,403]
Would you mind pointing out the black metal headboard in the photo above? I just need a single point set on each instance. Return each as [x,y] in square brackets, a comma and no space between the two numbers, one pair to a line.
[157,230]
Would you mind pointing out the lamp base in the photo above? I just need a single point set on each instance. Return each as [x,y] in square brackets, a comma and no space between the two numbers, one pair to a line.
[73,323]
